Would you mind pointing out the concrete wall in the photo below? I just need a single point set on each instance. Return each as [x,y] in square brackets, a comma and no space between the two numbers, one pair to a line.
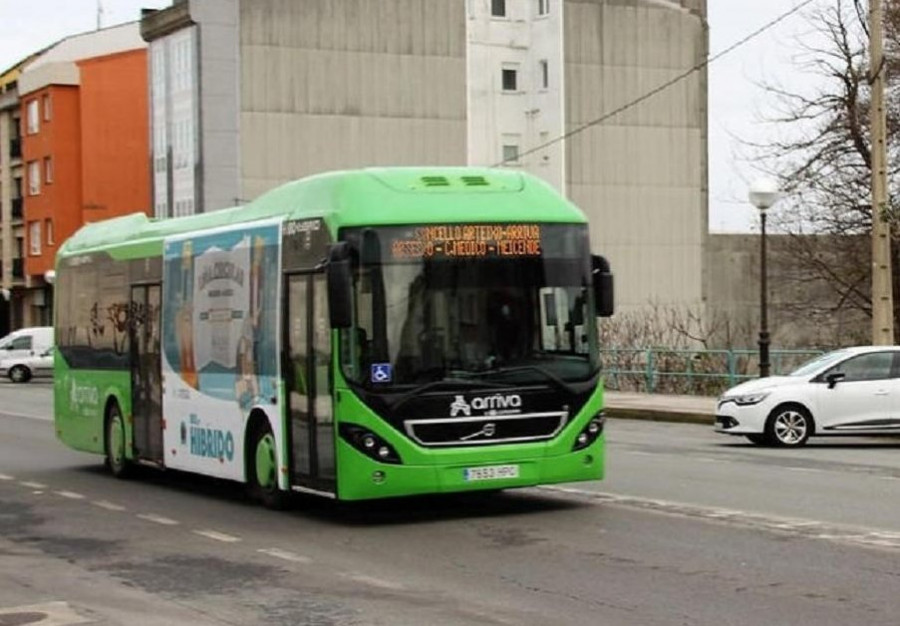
[802,311]
[349,83]
[641,174]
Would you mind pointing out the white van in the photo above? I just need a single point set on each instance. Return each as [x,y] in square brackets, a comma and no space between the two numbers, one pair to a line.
[26,342]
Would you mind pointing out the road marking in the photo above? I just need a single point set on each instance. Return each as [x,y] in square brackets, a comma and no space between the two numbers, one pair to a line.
[371,581]
[812,529]
[46,614]
[808,470]
[285,555]
[109,506]
[6,477]
[212,534]
[157,519]
[33,485]
[70,494]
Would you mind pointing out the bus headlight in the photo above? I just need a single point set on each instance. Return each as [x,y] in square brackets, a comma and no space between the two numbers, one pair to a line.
[368,443]
[590,432]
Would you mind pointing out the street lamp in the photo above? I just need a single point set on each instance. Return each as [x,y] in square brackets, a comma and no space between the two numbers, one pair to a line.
[763,194]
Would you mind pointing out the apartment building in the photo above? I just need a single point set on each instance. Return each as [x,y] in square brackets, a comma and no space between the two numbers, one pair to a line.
[85,146]
[12,231]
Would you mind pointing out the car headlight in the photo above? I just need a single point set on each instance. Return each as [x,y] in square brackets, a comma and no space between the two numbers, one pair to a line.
[751,398]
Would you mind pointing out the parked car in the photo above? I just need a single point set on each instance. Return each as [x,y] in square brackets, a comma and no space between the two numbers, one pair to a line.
[26,342]
[21,369]
[851,391]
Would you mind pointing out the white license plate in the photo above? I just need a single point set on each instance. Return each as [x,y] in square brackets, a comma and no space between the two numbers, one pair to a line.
[491,472]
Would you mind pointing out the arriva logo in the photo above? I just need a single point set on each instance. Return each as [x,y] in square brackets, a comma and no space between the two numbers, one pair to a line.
[83,395]
[485,403]
[459,405]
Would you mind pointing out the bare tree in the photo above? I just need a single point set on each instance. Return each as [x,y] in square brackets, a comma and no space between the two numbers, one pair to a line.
[823,160]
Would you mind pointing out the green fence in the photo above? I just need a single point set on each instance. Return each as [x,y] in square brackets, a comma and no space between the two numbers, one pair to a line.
[692,372]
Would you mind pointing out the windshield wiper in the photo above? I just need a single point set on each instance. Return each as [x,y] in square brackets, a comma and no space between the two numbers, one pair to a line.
[553,378]
[436,384]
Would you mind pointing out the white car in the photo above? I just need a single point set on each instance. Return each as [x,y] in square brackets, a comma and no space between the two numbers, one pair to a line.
[23,368]
[851,391]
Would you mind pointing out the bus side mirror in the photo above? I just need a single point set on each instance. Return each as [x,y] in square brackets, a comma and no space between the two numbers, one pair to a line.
[603,285]
[340,285]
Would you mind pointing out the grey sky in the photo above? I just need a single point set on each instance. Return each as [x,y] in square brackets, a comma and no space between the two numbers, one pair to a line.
[735,100]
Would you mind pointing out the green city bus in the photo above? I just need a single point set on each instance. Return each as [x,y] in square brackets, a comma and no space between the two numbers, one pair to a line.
[358,334]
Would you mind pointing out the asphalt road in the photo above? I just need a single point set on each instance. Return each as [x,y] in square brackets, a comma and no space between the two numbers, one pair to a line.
[689,528]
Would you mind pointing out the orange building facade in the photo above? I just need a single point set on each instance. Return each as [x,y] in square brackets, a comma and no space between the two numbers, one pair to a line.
[85,150]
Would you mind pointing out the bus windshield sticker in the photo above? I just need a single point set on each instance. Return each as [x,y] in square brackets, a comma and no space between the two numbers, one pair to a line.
[381,373]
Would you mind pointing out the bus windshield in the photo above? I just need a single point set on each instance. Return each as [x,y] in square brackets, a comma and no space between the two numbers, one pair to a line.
[510,304]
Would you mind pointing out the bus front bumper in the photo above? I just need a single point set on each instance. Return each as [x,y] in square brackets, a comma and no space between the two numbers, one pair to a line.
[363,478]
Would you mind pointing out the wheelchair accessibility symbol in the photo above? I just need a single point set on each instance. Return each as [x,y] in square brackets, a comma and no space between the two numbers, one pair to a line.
[381,373]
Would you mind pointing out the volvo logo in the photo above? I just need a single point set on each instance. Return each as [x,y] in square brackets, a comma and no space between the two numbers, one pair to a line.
[488,430]
[489,404]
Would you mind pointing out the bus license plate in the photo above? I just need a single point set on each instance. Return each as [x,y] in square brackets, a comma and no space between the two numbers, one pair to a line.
[491,472]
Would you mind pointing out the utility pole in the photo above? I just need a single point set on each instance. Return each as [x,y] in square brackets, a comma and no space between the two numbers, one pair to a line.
[882,284]
[99,13]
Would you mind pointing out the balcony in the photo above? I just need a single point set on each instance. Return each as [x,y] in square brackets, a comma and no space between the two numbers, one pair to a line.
[15,148]
[17,204]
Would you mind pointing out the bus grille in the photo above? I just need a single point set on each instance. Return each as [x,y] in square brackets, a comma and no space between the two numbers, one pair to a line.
[486,429]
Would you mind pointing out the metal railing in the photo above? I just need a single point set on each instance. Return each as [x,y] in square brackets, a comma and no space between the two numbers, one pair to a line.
[691,372]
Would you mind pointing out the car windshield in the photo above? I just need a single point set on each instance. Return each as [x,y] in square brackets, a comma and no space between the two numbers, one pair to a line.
[824,360]
[508,304]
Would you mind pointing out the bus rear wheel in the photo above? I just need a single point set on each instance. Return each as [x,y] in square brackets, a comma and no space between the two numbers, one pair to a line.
[262,468]
[115,443]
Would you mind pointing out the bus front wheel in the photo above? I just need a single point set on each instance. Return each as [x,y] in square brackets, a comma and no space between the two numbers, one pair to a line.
[115,443]
[262,468]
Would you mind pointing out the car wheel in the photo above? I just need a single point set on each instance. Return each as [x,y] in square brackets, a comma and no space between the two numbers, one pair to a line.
[760,439]
[19,374]
[789,425]
[262,469]
[115,443]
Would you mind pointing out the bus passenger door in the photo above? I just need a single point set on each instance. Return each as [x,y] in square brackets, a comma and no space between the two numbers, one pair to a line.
[146,381]
[306,372]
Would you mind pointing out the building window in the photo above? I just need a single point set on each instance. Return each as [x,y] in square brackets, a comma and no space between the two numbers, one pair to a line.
[510,153]
[498,8]
[47,107]
[48,170]
[544,69]
[48,229]
[543,7]
[32,118]
[509,79]
[34,238]
[34,178]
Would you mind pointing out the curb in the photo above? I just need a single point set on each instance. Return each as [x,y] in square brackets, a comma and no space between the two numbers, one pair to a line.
[656,415]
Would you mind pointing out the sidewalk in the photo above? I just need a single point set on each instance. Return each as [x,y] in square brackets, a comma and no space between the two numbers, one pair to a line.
[660,408]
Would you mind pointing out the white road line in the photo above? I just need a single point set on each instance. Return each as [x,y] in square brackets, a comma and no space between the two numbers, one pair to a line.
[212,534]
[6,477]
[33,485]
[812,529]
[70,494]
[109,506]
[285,555]
[371,581]
[808,470]
[157,519]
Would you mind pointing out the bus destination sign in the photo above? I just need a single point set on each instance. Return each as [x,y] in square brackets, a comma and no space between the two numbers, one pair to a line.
[467,240]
